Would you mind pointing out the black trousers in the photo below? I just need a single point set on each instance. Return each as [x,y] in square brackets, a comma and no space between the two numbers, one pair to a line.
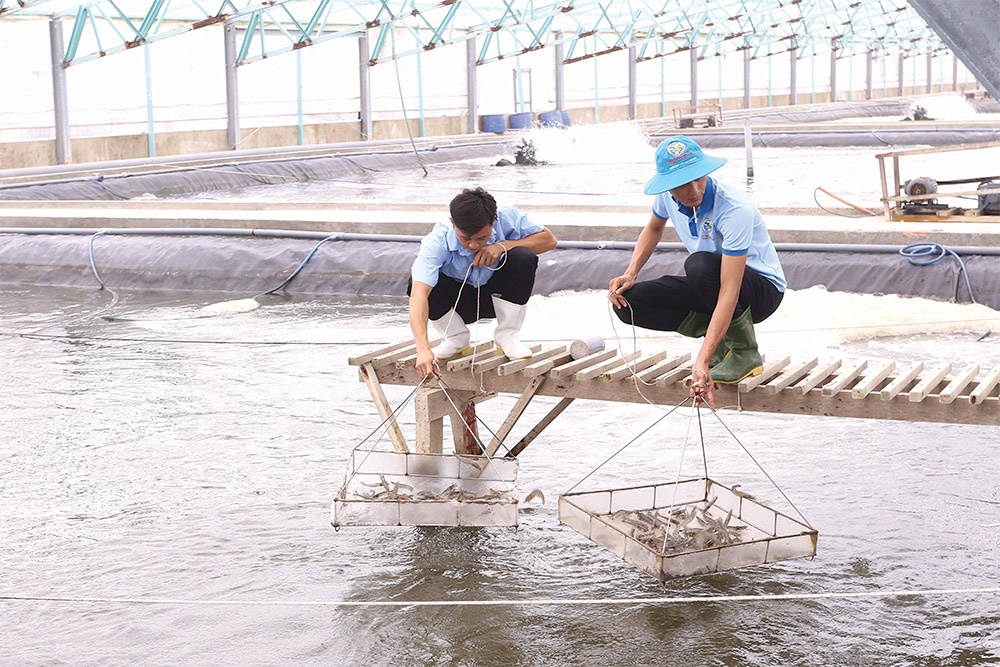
[662,304]
[512,282]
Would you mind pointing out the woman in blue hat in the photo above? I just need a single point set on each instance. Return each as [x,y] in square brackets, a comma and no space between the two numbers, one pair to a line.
[732,277]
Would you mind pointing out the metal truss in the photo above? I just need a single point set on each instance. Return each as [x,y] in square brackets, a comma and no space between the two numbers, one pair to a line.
[502,28]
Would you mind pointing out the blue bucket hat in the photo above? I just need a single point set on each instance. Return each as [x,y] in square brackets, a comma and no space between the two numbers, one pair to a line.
[679,160]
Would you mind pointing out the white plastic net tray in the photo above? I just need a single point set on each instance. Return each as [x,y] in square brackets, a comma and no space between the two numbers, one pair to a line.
[696,526]
[415,489]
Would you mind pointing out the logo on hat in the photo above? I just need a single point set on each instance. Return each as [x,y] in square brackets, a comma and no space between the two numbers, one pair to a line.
[675,148]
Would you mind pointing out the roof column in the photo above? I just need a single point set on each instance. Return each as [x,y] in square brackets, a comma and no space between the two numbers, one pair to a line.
[902,73]
[793,68]
[833,71]
[365,88]
[746,78]
[560,72]
[471,85]
[694,77]
[64,150]
[232,88]
[633,105]
[869,73]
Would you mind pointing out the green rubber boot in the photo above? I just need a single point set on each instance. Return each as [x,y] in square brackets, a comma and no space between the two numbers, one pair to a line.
[743,359]
[695,325]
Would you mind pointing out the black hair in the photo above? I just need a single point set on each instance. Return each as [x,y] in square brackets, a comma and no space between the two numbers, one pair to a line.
[473,209]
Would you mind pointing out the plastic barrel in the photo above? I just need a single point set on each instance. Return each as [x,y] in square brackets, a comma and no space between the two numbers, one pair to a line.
[520,121]
[495,123]
[566,120]
[551,119]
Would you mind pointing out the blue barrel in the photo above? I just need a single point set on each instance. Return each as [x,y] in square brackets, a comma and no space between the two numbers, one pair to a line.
[551,119]
[521,121]
[496,123]
[567,121]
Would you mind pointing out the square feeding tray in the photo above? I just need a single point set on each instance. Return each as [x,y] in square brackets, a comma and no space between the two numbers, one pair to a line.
[417,489]
[695,526]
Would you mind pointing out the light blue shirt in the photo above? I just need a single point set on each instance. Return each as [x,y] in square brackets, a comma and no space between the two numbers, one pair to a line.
[440,251]
[726,223]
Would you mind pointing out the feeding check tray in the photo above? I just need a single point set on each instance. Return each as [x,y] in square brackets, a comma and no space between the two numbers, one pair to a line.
[418,489]
[690,527]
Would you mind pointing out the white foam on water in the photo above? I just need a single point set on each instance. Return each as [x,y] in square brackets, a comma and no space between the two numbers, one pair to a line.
[948,107]
[606,143]
[810,321]
[230,306]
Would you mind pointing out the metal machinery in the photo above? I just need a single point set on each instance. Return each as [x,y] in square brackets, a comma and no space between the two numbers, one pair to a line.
[922,198]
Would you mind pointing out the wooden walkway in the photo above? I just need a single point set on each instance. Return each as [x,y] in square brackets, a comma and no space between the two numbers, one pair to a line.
[857,388]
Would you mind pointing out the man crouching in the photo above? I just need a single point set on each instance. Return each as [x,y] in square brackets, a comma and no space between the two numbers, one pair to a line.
[481,265]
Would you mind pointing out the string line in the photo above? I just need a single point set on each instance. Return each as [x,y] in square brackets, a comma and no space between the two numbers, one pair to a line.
[550,602]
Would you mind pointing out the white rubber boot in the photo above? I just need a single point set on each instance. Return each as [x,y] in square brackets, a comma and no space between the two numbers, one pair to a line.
[510,317]
[456,335]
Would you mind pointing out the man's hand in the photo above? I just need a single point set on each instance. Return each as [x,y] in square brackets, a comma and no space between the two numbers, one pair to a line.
[425,362]
[702,387]
[617,286]
[489,254]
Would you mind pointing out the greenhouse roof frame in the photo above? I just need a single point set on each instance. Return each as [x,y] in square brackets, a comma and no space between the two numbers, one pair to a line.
[502,28]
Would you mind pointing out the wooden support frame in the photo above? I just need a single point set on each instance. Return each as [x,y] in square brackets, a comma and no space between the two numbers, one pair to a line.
[370,378]
[515,414]
[541,425]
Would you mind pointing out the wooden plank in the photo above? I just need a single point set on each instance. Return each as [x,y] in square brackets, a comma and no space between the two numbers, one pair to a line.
[409,357]
[869,382]
[540,426]
[488,363]
[640,364]
[381,352]
[409,352]
[600,368]
[515,414]
[652,374]
[770,370]
[816,378]
[960,381]
[479,351]
[890,390]
[681,374]
[986,385]
[542,367]
[580,364]
[793,374]
[382,405]
[929,382]
[845,378]
[537,354]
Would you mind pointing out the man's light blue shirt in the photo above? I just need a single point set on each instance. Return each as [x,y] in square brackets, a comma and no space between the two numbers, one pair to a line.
[726,223]
[440,251]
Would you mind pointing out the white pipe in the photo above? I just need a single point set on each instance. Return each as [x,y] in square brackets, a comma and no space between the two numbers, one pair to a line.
[404,238]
